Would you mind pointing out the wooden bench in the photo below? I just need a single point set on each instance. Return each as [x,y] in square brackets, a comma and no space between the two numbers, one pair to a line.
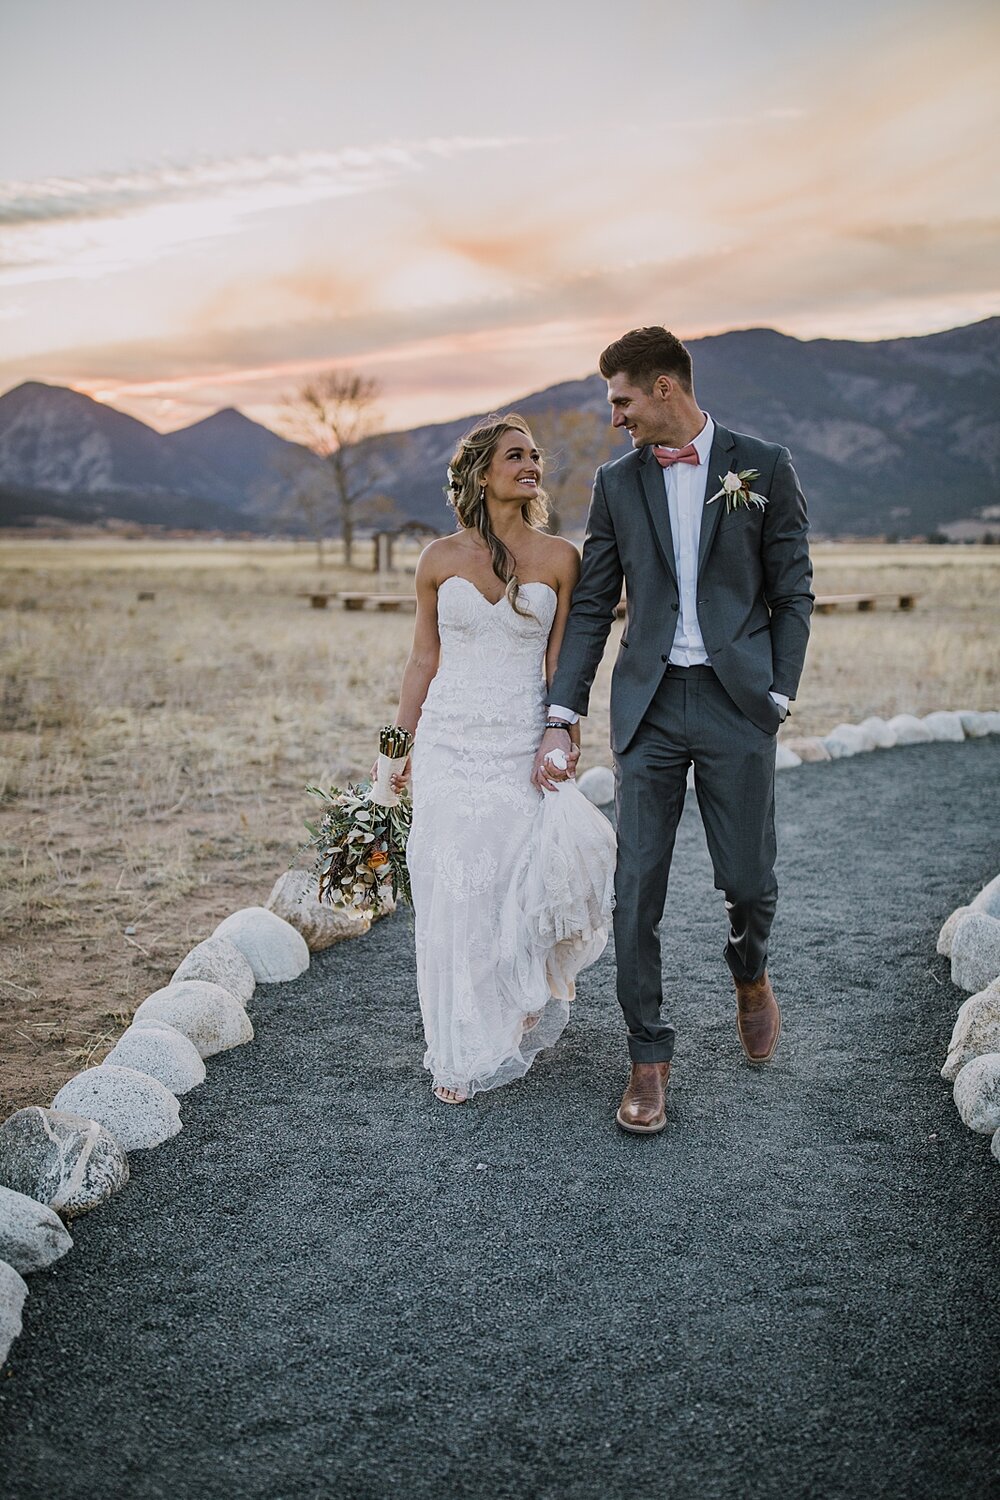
[384,603]
[827,603]
[320,598]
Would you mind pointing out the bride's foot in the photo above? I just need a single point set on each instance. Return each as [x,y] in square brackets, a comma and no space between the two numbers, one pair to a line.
[449,1096]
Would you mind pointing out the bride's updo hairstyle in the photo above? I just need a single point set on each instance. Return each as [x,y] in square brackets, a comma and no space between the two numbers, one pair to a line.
[466,491]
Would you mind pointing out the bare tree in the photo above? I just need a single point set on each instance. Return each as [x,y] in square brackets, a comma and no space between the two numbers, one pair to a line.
[309,498]
[574,444]
[333,415]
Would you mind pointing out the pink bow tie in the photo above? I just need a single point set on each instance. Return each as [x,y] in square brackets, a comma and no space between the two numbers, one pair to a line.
[667,456]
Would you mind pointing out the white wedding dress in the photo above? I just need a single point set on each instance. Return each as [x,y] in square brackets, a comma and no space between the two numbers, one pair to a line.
[512,888]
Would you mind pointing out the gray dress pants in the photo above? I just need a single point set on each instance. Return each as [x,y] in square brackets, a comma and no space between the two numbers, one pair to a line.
[692,719]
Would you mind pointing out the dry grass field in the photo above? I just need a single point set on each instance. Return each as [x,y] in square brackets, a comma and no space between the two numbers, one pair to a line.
[153,753]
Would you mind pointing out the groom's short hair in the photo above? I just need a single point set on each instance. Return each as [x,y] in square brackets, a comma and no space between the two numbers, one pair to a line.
[645,353]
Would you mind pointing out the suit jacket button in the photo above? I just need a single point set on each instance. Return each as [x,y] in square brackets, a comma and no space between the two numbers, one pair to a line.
[673,606]
[664,658]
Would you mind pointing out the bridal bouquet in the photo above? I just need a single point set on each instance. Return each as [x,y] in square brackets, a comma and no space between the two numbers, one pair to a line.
[360,842]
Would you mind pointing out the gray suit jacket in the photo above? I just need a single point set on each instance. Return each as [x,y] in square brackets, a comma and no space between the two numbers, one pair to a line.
[754,586]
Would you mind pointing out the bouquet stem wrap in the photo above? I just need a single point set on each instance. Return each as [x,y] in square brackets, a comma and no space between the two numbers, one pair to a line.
[394,746]
[386,767]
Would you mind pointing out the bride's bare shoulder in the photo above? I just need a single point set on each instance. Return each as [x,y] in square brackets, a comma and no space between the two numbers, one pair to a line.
[563,559]
[561,548]
[439,557]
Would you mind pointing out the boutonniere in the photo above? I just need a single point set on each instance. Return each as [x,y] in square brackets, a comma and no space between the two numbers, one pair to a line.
[736,488]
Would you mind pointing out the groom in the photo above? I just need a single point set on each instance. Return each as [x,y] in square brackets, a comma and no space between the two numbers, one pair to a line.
[719,599]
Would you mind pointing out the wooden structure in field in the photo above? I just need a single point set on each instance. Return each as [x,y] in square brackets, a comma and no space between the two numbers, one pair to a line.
[384,542]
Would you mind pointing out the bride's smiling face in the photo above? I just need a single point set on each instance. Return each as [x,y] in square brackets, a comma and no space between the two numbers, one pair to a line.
[515,470]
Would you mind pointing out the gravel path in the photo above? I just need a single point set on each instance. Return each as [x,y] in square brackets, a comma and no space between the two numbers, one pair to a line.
[328,1285]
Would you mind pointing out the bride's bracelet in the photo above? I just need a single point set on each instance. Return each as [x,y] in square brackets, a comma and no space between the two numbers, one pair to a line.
[557,724]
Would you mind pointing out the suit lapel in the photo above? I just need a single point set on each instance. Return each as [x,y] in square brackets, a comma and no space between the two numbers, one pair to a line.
[654,493]
[719,461]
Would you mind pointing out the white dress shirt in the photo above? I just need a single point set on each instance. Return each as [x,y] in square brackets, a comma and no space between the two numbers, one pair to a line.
[686,487]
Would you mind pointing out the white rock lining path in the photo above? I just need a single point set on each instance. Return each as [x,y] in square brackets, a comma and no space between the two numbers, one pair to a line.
[971,939]
[59,1162]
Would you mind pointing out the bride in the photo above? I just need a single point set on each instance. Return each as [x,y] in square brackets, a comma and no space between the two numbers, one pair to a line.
[512,886]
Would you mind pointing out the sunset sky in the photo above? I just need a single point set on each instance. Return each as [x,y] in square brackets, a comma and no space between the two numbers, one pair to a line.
[201,204]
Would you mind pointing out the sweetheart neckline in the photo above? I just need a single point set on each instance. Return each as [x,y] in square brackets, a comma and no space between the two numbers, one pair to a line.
[492,603]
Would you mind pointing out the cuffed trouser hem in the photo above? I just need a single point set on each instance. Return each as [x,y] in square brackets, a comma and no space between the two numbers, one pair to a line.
[651,1052]
[738,968]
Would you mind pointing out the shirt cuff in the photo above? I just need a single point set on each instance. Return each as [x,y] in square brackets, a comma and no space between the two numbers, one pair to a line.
[556,712]
[780,699]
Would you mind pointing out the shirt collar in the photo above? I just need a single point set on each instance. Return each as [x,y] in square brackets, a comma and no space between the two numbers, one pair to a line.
[703,442]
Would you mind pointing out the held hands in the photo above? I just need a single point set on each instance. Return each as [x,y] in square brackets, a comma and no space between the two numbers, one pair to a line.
[546,776]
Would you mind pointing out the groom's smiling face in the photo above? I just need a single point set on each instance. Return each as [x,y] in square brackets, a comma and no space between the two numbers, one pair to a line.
[645,415]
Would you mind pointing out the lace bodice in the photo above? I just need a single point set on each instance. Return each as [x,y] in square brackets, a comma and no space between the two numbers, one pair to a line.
[492,658]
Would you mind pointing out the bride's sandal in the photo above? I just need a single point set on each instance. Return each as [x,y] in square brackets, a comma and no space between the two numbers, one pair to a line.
[530,1022]
[449,1096]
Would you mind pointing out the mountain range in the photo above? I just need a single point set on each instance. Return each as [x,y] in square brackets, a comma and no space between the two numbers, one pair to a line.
[898,436]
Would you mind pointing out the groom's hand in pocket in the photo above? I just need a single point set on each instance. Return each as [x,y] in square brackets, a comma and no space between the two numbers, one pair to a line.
[545,776]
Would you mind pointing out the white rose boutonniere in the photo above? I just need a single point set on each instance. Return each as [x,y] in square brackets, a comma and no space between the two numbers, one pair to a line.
[737,491]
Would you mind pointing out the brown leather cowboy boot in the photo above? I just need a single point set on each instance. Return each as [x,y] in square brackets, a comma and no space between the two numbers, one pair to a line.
[758,1019]
[642,1110]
